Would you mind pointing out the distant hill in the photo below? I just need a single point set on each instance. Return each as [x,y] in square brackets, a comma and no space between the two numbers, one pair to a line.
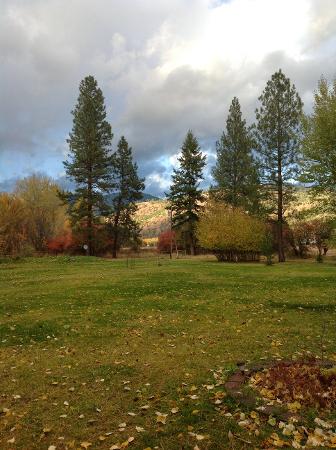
[152,217]
[148,197]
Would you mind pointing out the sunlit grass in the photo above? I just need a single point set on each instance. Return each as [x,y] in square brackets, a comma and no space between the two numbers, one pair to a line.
[107,339]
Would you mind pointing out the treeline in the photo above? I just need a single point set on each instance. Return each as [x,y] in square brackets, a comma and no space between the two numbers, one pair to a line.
[100,211]
[254,176]
[32,217]
[244,214]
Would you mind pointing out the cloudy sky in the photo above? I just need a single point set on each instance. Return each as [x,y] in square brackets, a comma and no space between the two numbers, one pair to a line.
[164,66]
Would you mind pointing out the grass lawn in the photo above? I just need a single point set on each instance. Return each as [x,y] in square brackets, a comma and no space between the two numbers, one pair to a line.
[91,349]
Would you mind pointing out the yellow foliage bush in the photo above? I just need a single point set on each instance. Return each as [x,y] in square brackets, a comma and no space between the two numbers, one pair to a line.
[230,233]
[12,224]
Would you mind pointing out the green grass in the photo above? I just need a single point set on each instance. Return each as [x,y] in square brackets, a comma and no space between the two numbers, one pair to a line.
[81,330]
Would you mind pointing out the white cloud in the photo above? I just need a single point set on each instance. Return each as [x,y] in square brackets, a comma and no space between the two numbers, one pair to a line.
[164,67]
[240,32]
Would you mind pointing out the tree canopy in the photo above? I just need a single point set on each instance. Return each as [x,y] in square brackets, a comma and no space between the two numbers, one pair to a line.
[89,161]
[186,196]
[278,133]
[236,172]
[319,143]
[127,187]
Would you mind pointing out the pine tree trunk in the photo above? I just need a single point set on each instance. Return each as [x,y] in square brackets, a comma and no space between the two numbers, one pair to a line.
[116,234]
[90,220]
[192,240]
[115,245]
[281,252]
[192,248]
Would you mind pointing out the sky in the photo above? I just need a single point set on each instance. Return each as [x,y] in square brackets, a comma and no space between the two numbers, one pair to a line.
[164,66]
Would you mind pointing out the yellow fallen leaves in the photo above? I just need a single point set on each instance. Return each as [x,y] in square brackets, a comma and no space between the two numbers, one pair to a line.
[123,445]
[301,437]
[199,437]
[322,423]
[277,441]
[294,407]
[272,421]
[287,429]
[321,438]
[161,418]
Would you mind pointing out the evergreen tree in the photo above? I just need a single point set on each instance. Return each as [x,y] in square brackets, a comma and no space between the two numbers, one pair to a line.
[185,196]
[278,133]
[319,144]
[128,190]
[89,160]
[236,171]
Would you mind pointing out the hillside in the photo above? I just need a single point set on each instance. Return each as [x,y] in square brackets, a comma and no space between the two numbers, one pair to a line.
[153,217]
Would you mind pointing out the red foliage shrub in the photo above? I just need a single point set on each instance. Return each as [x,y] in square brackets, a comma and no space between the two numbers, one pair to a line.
[165,240]
[101,239]
[60,244]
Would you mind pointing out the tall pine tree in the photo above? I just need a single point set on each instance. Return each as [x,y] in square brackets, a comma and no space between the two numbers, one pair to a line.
[185,195]
[278,133]
[319,145]
[128,189]
[89,161]
[236,172]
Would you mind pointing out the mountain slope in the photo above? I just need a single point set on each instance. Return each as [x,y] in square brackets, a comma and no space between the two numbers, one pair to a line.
[152,217]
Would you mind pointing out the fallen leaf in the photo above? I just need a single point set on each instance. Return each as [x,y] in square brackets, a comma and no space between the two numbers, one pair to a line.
[272,421]
[200,437]
[161,418]
[322,423]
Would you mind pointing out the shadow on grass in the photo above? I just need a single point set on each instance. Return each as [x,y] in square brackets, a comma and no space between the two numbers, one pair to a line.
[23,334]
[315,307]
